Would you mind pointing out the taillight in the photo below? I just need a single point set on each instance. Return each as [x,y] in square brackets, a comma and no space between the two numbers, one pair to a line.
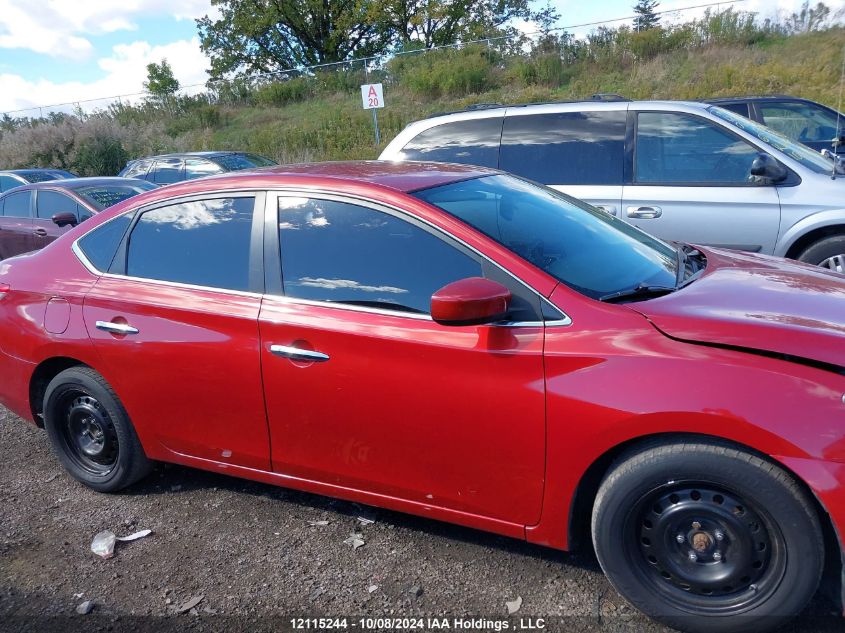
[4,290]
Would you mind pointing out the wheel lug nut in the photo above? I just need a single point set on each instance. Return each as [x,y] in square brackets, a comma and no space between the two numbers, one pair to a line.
[719,536]
[717,556]
[696,525]
[693,556]
[680,538]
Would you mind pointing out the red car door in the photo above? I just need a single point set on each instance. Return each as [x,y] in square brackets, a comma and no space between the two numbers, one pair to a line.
[49,203]
[365,391]
[176,326]
[16,234]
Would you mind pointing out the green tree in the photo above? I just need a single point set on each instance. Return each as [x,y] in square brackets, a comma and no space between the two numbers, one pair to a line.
[160,83]
[808,18]
[255,36]
[438,22]
[646,17]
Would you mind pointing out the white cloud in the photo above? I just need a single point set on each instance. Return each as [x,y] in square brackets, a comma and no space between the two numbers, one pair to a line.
[60,27]
[125,71]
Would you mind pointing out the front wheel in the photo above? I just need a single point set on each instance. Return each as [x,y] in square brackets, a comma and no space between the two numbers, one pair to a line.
[828,253]
[707,538]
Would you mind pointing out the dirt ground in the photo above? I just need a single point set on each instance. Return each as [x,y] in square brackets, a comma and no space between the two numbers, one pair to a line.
[231,555]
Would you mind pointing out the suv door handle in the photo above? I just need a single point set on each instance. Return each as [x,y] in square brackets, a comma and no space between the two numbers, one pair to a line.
[607,208]
[116,328]
[40,232]
[295,353]
[645,213]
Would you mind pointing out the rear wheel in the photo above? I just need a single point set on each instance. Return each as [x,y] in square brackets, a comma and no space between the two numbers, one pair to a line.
[707,538]
[828,253]
[91,432]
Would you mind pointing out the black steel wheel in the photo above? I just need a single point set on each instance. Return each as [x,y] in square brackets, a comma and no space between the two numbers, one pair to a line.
[91,432]
[707,538]
[699,543]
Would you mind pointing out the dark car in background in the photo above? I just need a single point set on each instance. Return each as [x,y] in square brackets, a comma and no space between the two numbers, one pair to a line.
[802,120]
[34,215]
[11,178]
[170,168]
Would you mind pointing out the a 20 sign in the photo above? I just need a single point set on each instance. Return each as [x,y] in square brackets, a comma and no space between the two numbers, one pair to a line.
[372,96]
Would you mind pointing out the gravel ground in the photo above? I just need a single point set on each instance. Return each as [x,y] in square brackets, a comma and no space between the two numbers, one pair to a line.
[251,555]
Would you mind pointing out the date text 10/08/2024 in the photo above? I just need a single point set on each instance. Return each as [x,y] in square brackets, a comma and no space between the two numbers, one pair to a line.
[417,624]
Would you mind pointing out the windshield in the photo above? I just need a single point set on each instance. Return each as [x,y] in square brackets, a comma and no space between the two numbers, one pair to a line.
[807,157]
[102,197]
[585,248]
[234,162]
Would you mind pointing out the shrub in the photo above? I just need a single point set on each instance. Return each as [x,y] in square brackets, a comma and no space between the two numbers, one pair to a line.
[279,93]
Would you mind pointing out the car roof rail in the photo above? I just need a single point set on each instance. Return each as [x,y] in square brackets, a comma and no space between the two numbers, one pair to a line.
[484,106]
[608,96]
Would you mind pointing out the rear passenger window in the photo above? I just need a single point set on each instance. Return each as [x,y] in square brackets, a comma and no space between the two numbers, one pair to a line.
[17,205]
[565,148]
[100,245]
[137,170]
[203,243]
[344,253]
[472,142]
[167,171]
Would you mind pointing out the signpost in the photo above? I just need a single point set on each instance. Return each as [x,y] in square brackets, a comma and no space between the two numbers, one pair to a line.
[372,98]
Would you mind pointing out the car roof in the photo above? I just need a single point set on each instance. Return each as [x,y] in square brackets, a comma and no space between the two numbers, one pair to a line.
[77,183]
[205,154]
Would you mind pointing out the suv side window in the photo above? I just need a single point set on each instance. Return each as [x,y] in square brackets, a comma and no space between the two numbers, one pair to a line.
[49,203]
[138,170]
[473,142]
[565,148]
[167,171]
[344,253]
[802,122]
[203,243]
[17,205]
[682,149]
[739,108]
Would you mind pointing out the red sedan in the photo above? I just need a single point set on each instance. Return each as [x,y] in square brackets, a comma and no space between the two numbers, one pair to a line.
[461,344]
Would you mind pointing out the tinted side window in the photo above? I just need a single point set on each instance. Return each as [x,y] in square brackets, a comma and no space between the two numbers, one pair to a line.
[739,108]
[17,205]
[683,149]
[474,142]
[100,245]
[344,253]
[137,170]
[49,203]
[205,243]
[167,171]
[197,168]
[802,122]
[573,148]
[7,182]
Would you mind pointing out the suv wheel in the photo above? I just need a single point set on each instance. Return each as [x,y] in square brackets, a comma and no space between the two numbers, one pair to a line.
[827,253]
[707,538]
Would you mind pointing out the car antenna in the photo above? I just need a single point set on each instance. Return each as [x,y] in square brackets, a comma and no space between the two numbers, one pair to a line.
[837,141]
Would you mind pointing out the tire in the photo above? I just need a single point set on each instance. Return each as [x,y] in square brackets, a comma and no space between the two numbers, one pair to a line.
[91,432]
[828,252]
[755,536]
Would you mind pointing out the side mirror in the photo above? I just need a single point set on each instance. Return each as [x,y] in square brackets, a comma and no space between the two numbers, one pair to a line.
[470,301]
[764,166]
[65,219]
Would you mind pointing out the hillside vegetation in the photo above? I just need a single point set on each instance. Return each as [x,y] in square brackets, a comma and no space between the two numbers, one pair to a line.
[319,116]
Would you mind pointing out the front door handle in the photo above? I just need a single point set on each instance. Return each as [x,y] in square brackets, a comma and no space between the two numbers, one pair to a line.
[116,328]
[40,232]
[645,213]
[295,353]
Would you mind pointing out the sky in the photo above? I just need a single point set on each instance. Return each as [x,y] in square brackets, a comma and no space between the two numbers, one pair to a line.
[78,50]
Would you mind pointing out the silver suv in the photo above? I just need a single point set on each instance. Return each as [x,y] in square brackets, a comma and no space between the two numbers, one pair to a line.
[682,171]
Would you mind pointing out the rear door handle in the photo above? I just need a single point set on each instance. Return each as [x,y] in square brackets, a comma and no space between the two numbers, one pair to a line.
[645,213]
[41,232]
[295,353]
[607,208]
[116,328]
